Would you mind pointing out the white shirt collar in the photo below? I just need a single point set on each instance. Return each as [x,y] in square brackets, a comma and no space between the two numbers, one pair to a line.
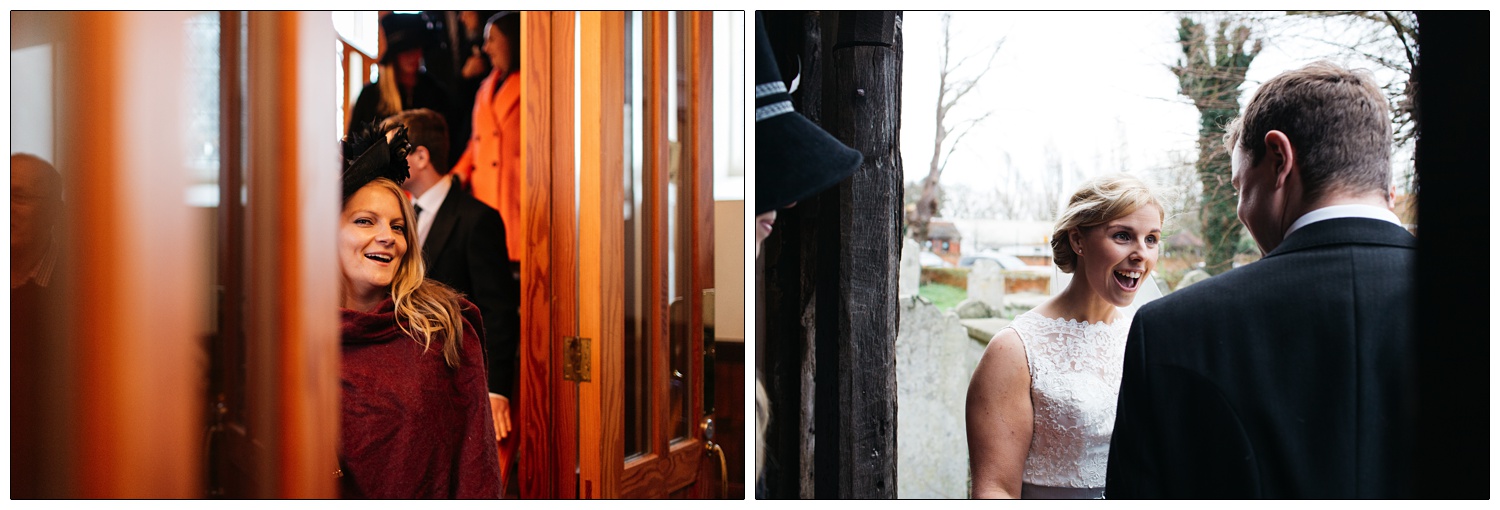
[430,201]
[1343,211]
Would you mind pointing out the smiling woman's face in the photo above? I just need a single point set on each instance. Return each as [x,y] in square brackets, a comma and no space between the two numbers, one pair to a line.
[1117,256]
[372,240]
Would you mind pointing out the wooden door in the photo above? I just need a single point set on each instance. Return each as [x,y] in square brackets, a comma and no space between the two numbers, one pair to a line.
[273,400]
[619,255]
[155,315]
[547,413]
[105,379]
[669,259]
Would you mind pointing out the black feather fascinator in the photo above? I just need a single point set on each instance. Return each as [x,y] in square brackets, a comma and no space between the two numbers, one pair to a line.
[368,156]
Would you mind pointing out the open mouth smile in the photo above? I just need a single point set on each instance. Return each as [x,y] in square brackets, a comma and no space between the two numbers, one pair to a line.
[379,257]
[1128,280]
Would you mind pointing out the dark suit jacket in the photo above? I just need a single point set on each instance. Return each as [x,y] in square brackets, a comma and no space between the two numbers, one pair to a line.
[466,250]
[1291,377]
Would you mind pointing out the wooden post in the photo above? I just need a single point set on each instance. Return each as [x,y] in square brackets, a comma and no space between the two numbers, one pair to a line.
[830,270]
[861,107]
[788,261]
[291,328]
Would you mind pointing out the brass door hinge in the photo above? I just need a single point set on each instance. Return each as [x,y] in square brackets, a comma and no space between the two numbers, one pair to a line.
[576,359]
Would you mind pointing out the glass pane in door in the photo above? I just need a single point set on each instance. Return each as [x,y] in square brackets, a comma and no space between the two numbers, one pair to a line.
[679,225]
[637,230]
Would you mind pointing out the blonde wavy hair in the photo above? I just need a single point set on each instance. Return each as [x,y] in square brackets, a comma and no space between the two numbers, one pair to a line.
[431,309]
[762,418]
[1099,201]
[390,94]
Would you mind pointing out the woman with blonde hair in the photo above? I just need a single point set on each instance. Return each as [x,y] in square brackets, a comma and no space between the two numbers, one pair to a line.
[416,415]
[403,82]
[1041,403]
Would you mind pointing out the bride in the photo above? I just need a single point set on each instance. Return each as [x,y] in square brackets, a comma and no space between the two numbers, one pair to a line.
[1041,402]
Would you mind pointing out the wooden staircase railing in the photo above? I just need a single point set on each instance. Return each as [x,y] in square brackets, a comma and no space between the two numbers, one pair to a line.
[354,62]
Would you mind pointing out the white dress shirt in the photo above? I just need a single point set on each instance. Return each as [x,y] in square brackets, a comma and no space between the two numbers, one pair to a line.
[1343,211]
[430,201]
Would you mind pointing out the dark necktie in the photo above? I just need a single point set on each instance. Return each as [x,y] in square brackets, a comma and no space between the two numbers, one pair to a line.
[418,208]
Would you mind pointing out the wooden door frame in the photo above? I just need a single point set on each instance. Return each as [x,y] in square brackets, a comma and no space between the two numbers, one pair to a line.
[699,157]
[276,261]
[123,380]
[557,273]
[601,245]
[640,475]
[291,324]
[229,442]
[547,416]
[126,375]
[668,468]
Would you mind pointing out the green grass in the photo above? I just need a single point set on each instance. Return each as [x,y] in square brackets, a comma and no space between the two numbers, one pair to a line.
[944,296]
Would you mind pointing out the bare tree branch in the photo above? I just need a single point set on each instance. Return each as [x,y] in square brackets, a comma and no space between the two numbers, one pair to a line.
[951,91]
[1401,30]
[962,130]
[968,85]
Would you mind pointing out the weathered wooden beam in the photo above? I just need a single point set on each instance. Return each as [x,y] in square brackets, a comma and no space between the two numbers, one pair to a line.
[789,258]
[829,271]
[866,28]
[861,107]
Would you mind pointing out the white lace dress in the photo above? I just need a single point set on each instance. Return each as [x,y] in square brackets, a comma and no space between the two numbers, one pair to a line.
[1075,385]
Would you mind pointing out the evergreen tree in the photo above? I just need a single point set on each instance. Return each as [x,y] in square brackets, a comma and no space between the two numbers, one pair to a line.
[1211,78]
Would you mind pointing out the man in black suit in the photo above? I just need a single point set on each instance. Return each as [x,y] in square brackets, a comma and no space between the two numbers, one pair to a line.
[1290,377]
[463,246]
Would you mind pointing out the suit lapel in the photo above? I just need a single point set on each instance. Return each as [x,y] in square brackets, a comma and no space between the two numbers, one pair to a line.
[442,226]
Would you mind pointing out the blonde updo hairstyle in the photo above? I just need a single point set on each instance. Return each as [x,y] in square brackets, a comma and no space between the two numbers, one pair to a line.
[1098,201]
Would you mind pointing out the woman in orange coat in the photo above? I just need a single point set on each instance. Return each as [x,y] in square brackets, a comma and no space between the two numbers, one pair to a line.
[491,164]
[491,168]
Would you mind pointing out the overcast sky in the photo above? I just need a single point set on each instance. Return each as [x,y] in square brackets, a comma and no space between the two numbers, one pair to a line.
[1094,85]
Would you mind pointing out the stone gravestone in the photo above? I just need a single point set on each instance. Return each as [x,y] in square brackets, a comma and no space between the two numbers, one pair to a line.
[1194,276]
[911,269]
[934,359]
[987,284]
[973,309]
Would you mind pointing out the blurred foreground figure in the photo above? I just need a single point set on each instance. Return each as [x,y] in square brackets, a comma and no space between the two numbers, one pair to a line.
[35,201]
[35,205]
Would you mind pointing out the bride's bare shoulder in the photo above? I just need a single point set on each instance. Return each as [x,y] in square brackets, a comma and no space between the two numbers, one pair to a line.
[1004,360]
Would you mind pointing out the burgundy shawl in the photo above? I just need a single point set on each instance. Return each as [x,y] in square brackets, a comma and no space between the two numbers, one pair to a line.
[413,427]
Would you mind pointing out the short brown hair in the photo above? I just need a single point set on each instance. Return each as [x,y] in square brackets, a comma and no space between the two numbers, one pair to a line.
[1336,119]
[426,128]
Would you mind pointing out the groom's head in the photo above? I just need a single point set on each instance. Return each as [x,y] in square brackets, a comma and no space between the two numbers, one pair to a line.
[1309,138]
